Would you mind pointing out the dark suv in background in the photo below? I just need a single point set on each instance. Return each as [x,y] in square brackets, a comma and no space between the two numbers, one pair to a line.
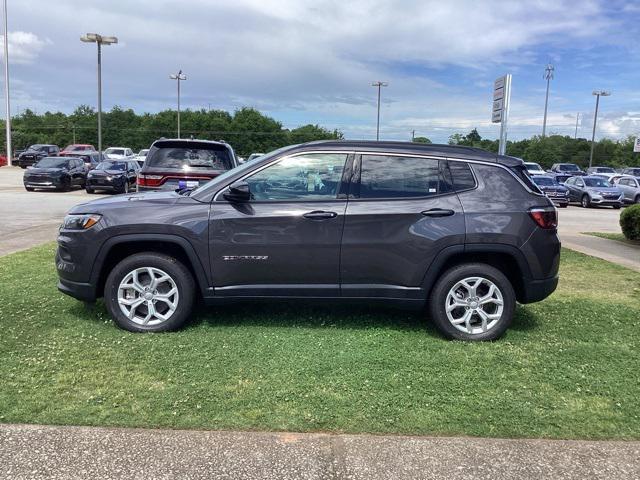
[37,152]
[459,229]
[178,164]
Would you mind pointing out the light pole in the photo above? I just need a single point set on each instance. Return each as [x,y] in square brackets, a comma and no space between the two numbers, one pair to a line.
[99,40]
[548,76]
[7,105]
[379,85]
[598,94]
[178,77]
[575,135]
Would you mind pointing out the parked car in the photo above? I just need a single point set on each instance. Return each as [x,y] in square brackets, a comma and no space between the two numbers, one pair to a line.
[633,171]
[3,160]
[58,173]
[630,187]
[591,190]
[90,159]
[563,171]
[253,156]
[534,168]
[37,152]
[118,153]
[141,156]
[460,229]
[76,148]
[607,172]
[559,194]
[183,163]
[113,175]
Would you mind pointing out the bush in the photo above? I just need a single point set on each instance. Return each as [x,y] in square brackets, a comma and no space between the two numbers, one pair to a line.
[630,222]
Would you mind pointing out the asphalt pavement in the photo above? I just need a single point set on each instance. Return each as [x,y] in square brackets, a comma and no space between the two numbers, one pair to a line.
[48,452]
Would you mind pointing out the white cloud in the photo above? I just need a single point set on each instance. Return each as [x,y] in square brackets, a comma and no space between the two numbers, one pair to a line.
[24,47]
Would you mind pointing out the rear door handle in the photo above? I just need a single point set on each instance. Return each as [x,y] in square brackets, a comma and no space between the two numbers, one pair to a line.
[437,212]
[320,215]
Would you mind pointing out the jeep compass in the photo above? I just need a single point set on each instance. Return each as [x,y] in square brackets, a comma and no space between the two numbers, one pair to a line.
[460,230]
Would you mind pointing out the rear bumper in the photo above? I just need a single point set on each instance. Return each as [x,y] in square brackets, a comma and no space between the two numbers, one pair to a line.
[537,290]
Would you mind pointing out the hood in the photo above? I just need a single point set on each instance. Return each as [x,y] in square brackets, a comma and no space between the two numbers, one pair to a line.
[45,170]
[33,152]
[604,189]
[137,200]
[113,173]
[553,188]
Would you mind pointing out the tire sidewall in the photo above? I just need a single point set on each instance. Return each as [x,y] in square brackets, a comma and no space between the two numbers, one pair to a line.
[439,293]
[584,203]
[176,270]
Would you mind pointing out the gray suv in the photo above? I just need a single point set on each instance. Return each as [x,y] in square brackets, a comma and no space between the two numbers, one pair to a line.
[460,230]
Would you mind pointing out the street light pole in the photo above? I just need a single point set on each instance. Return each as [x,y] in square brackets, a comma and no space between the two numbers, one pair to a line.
[548,75]
[575,135]
[379,85]
[598,94]
[178,77]
[7,105]
[99,40]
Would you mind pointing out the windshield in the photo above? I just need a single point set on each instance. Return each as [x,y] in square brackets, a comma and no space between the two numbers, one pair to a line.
[568,167]
[143,153]
[38,148]
[74,148]
[177,155]
[633,171]
[544,181]
[52,162]
[532,166]
[596,182]
[114,151]
[111,166]
[605,170]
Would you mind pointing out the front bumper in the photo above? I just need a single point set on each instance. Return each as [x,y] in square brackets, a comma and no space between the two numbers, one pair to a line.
[606,201]
[45,182]
[80,291]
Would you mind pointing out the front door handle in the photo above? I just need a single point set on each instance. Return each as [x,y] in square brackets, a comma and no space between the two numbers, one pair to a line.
[320,215]
[437,212]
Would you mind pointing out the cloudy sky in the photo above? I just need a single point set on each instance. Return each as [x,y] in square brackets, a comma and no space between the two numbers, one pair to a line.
[314,61]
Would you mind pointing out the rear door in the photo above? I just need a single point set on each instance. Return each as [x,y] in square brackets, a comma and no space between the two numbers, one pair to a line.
[402,211]
[286,240]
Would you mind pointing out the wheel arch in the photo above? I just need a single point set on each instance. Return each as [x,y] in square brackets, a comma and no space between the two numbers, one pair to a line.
[119,247]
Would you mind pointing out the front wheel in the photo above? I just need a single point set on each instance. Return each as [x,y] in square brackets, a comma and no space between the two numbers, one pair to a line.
[617,207]
[586,201]
[474,302]
[30,189]
[149,292]
[637,199]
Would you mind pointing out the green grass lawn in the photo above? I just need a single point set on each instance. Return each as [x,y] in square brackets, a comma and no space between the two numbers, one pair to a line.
[568,368]
[613,236]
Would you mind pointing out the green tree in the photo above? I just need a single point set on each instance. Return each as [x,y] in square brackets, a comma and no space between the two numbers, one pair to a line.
[421,140]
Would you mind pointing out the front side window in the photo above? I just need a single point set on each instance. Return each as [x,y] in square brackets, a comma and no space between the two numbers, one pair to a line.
[386,176]
[314,176]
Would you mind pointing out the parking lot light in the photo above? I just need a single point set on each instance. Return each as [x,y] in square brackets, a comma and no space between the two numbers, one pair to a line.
[598,94]
[99,40]
[178,77]
[379,85]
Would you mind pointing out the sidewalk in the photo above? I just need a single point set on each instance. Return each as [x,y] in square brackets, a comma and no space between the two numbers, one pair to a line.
[610,250]
[39,452]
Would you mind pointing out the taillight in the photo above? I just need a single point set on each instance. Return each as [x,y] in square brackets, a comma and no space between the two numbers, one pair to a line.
[149,180]
[545,217]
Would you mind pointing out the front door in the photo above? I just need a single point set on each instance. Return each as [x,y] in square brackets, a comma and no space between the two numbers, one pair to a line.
[286,240]
[401,213]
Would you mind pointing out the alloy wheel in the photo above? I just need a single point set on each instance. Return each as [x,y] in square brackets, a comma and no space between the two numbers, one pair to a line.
[148,296]
[474,305]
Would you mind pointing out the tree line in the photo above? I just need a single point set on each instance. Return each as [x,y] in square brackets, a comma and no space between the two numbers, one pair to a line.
[246,130]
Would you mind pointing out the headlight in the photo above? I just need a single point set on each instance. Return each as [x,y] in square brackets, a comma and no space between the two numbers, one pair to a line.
[80,222]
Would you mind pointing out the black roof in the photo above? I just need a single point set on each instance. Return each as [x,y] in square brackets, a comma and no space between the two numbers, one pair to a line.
[457,151]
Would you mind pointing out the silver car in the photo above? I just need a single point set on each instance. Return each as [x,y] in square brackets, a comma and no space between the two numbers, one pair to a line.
[630,187]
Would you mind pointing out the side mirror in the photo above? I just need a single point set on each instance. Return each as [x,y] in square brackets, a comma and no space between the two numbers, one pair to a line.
[238,192]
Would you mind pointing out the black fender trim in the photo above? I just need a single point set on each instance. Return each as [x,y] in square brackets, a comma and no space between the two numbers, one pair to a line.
[198,268]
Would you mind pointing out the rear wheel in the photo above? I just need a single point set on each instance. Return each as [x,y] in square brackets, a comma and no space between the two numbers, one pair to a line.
[586,201]
[472,302]
[149,292]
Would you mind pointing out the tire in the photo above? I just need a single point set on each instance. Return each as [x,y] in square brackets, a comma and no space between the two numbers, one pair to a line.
[484,275]
[66,185]
[585,201]
[30,189]
[89,190]
[637,199]
[125,188]
[564,205]
[179,278]
[617,207]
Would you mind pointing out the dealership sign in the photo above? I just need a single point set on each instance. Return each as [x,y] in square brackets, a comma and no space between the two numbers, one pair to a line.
[636,145]
[500,108]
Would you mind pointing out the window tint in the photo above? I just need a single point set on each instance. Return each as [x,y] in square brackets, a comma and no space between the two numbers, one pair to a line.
[197,156]
[462,176]
[385,176]
[314,176]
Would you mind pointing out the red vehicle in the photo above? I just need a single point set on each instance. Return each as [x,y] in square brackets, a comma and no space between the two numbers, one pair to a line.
[77,147]
[3,160]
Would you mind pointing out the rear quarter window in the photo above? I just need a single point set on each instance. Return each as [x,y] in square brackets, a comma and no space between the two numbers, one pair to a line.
[462,176]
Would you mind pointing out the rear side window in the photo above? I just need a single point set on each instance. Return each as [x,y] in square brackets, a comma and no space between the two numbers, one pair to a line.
[462,176]
[522,173]
[386,176]
[201,157]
